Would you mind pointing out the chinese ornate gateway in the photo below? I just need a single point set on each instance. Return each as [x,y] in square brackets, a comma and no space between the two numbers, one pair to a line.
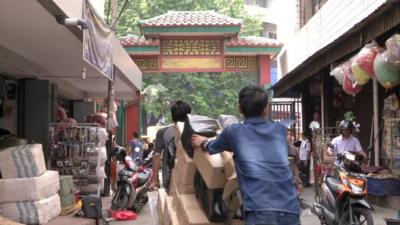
[199,41]
[196,41]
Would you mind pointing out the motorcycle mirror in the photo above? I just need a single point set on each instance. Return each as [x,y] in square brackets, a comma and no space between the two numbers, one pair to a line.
[331,146]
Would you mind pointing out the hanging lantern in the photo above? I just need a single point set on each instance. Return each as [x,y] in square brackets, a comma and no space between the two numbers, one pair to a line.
[387,71]
[349,84]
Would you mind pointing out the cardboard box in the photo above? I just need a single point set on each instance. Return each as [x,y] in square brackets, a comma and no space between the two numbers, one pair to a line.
[185,189]
[190,212]
[211,168]
[229,164]
[162,195]
[186,169]
[231,195]
[168,211]
[237,222]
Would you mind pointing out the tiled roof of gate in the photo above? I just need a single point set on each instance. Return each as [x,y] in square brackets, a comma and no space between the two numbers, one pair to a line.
[253,42]
[190,18]
[131,41]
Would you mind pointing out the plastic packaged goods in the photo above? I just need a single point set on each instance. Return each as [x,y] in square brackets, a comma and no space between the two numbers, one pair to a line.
[349,84]
[387,71]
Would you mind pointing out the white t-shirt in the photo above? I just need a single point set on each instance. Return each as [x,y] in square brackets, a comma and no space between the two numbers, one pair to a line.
[341,145]
[305,149]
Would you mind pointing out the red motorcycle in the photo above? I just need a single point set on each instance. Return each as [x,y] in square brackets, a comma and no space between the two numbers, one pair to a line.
[132,183]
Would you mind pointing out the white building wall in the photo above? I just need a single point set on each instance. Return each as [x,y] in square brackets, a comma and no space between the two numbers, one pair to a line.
[335,18]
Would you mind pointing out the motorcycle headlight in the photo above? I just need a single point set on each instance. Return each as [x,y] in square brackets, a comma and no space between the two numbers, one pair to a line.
[356,189]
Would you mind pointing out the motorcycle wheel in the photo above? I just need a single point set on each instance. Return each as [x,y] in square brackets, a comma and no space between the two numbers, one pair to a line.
[140,202]
[120,200]
[360,217]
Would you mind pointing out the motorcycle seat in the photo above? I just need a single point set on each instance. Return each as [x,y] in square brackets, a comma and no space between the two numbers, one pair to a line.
[143,177]
[333,184]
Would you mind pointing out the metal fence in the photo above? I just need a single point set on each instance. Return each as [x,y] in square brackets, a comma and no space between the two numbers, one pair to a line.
[281,110]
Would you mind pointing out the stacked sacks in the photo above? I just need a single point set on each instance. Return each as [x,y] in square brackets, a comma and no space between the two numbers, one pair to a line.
[28,192]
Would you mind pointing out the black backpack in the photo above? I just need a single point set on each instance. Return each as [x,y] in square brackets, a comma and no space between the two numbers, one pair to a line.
[170,152]
[91,207]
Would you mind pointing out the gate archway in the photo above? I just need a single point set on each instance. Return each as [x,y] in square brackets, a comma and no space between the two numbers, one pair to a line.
[199,41]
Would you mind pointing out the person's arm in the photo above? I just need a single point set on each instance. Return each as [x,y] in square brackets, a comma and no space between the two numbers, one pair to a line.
[220,144]
[359,148]
[156,161]
[333,145]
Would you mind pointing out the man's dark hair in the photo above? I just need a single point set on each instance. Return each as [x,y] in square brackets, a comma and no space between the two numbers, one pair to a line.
[135,134]
[179,110]
[252,101]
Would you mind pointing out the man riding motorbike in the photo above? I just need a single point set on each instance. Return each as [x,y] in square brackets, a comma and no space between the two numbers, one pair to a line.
[345,142]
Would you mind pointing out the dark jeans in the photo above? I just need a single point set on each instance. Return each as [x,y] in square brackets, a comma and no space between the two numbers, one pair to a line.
[271,218]
[305,172]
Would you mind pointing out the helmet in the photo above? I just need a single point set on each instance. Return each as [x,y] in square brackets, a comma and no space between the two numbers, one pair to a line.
[346,124]
[120,153]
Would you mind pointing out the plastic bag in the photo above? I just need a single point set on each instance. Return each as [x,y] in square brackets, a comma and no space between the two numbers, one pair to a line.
[338,73]
[363,62]
[387,71]
[195,124]
[349,84]
[226,120]
[393,48]
[124,215]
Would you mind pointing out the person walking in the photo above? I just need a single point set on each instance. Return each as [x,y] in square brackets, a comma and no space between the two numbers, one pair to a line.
[261,157]
[305,153]
[165,145]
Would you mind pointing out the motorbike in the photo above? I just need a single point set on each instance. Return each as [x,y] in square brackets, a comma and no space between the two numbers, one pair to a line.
[342,200]
[133,182]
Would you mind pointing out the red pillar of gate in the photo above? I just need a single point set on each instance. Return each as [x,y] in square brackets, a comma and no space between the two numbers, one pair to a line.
[265,70]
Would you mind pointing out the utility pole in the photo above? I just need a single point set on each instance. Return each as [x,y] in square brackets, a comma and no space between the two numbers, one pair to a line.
[110,110]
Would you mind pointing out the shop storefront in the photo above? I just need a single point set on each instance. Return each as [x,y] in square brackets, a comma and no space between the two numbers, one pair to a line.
[51,97]
[372,101]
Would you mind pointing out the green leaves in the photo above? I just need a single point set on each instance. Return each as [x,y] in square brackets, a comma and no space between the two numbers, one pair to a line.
[145,9]
[210,94]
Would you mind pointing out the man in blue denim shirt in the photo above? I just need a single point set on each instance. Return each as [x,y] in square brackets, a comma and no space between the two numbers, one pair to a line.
[261,160]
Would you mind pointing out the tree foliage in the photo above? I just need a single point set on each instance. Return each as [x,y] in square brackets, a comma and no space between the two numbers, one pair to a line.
[144,9]
[210,94]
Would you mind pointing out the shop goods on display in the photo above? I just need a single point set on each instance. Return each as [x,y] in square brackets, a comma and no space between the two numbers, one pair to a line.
[349,83]
[80,151]
[387,70]
[363,63]
[393,48]
[22,161]
[35,212]
[338,73]
[29,189]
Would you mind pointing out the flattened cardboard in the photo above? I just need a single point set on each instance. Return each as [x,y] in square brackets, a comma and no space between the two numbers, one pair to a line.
[168,211]
[162,195]
[186,169]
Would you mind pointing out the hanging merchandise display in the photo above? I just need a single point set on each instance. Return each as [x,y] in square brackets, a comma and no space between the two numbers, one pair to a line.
[387,70]
[393,48]
[349,84]
[363,63]
[338,73]
[80,151]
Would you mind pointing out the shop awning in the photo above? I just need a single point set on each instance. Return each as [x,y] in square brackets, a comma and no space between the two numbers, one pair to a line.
[34,45]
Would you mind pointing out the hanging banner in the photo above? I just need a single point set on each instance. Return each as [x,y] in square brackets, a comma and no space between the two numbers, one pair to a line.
[97,45]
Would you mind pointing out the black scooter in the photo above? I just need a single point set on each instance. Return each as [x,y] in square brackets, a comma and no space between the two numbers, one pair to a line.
[342,201]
